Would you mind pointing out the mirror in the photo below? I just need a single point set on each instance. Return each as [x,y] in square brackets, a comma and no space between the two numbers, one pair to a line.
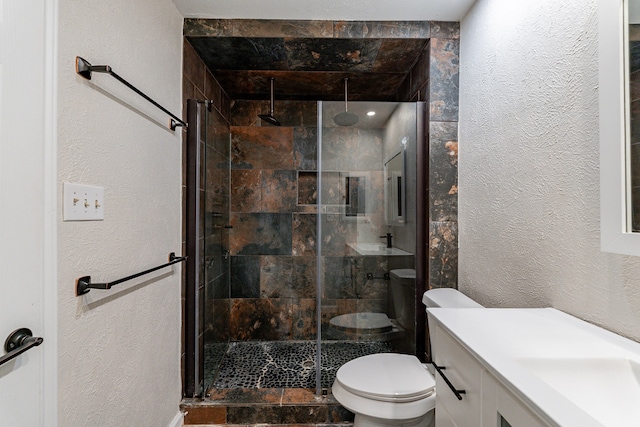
[632,109]
[619,96]
[355,195]
[394,191]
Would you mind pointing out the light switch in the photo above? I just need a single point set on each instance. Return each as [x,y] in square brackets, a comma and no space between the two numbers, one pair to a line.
[82,202]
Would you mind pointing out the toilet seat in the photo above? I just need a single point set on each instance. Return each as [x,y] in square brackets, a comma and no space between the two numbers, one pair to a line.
[365,322]
[387,377]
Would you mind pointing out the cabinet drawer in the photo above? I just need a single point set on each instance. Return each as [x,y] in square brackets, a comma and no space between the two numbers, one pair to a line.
[465,373]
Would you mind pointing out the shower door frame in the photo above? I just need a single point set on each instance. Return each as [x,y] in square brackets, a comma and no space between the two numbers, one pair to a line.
[193,347]
[193,363]
[422,228]
[195,279]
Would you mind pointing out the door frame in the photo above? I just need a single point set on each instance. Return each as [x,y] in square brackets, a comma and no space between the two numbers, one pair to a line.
[49,385]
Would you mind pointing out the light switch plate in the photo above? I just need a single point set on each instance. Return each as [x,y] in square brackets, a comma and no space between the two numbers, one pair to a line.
[82,202]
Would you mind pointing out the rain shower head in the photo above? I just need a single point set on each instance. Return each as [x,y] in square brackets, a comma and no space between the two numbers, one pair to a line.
[269,117]
[345,118]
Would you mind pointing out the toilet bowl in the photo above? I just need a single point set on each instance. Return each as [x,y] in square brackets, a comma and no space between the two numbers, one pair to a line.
[394,389]
[363,326]
[386,389]
[367,326]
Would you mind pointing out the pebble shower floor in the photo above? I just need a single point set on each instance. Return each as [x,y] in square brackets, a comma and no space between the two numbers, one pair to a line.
[277,364]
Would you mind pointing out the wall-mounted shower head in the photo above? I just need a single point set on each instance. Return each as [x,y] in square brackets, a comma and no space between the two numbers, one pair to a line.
[345,118]
[269,117]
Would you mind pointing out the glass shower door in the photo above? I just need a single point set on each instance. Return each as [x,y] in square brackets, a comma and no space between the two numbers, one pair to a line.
[366,232]
[215,239]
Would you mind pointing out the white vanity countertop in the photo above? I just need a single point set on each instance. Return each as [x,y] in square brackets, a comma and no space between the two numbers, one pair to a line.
[570,372]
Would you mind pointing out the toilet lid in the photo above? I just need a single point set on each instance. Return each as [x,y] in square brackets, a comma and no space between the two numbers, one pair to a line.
[387,377]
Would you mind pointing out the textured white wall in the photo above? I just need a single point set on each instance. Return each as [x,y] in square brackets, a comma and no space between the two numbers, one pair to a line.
[528,171]
[119,350]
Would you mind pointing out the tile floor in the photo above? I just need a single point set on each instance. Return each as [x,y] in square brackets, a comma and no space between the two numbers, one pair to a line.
[283,364]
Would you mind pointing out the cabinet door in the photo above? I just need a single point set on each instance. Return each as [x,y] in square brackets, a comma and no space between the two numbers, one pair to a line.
[501,408]
[465,373]
[443,418]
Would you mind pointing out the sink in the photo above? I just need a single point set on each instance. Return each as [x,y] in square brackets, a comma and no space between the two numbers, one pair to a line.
[568,371]
[606,388]
[376,249]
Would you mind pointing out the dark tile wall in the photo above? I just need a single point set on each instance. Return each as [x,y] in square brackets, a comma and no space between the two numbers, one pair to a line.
[274,191]
[434,79]
[267,406]
[444,58]
[199,83]
[273,214]
[274,218]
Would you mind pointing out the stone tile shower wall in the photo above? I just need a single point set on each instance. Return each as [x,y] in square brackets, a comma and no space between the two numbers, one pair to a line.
[273,197]
[434,79]
[199,83]
[443,154]
[274,218]
[273,214]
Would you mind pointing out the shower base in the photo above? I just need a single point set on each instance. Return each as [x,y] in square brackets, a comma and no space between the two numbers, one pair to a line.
[273,383]
[283,364]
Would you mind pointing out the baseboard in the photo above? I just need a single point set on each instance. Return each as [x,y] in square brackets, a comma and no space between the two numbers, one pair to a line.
[178,420]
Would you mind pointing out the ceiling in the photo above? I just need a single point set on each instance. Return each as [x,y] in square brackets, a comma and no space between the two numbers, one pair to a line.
[310,47]
[309,68]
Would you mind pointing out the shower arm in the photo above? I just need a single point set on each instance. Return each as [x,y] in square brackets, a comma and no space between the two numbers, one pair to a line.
[346,82]
[271,102]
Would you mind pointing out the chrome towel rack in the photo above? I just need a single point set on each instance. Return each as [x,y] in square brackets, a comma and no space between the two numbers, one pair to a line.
[84,69]
[84,285]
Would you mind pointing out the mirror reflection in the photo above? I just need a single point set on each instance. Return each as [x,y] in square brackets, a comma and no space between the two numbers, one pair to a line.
[394,189]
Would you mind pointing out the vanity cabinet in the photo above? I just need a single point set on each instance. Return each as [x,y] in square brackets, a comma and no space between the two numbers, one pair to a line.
[501,408]
[532,367]
[485,402]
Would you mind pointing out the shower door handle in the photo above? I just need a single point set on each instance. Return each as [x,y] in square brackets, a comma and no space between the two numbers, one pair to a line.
[18,342]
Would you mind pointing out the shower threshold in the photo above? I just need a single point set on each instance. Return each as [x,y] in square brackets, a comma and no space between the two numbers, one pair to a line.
[274,382]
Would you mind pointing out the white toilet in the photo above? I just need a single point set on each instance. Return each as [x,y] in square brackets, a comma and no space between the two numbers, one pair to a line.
[392,389]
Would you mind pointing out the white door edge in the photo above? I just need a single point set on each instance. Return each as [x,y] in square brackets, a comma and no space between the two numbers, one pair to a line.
[49,389]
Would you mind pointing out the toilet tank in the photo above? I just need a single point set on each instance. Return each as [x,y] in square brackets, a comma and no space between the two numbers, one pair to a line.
[447,298]
[403,290]
[443,298]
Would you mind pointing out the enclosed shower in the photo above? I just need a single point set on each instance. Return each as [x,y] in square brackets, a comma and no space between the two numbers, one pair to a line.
[304,241]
